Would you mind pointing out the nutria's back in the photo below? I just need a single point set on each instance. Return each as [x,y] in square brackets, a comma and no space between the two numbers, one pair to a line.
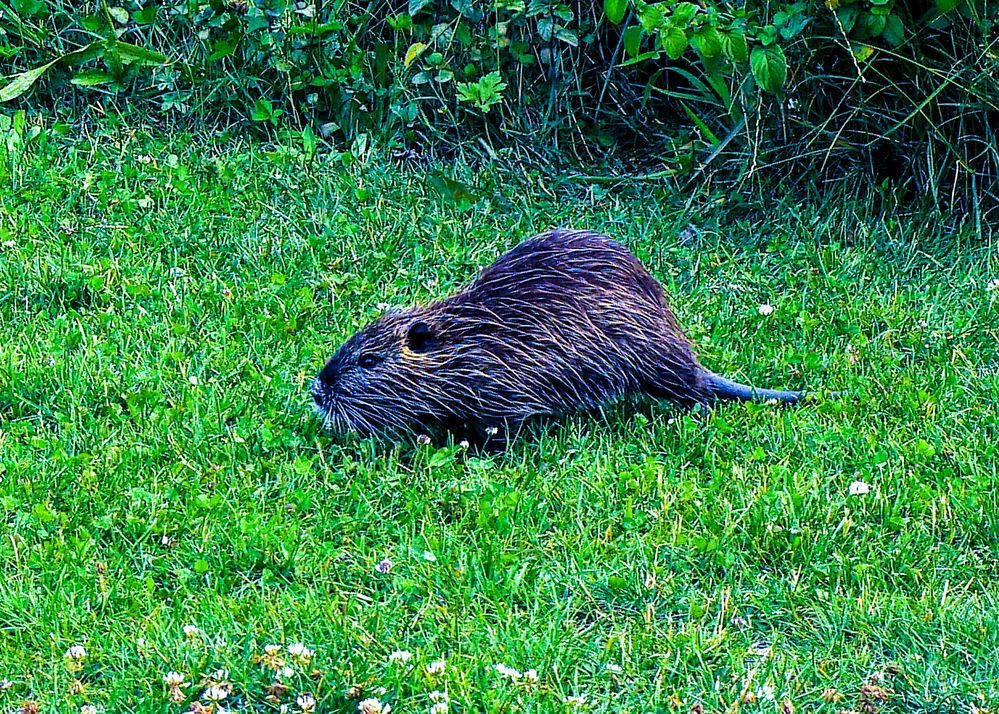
[564,321]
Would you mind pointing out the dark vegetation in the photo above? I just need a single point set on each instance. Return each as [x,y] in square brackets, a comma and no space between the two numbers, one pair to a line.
[903,93]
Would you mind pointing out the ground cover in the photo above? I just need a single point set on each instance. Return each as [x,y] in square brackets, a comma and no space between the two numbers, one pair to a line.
[169,504]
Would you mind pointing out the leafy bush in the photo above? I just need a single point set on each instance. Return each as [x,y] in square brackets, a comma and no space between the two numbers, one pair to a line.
[745,86]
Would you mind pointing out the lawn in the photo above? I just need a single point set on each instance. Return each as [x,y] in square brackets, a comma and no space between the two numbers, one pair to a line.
[169,502]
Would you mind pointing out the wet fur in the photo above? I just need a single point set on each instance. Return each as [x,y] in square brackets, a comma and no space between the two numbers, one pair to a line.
[565,321]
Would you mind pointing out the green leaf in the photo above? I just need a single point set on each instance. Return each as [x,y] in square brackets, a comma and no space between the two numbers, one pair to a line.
[133,54]
[90,52]
[616,582]
[674,42]
[847,17]
[644,57]
[925,449]
[448,188]
[29,8]
[119,15]
[414,51]
[309,142]
[546,26]
[222,48]
[415,6]
[862,52]
[734,46]
[683,13]
[947,5]
[699,123]
[894,33]
[633,40]
[567,36]
[615,9]
[707,42]
[22,82]
[263,110]
[145,16]
[91,78]
[469,9]
[875,24]
[24,31]
[651,17]
[769,67]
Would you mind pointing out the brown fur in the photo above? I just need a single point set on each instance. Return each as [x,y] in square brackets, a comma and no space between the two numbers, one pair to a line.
[565,321]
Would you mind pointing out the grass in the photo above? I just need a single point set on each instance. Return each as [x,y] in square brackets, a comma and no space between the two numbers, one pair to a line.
[164,303]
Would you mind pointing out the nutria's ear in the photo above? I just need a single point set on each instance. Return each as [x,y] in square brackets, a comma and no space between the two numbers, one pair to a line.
[420,337]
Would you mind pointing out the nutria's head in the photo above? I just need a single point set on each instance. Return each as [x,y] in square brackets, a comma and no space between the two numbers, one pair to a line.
[385,376]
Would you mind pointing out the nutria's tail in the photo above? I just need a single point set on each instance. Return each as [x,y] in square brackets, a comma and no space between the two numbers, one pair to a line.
[727,390]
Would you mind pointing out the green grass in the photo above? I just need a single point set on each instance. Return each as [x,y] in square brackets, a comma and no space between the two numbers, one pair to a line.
[164,304]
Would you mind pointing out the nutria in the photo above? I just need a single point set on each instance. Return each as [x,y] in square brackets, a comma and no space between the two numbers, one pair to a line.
[565,321]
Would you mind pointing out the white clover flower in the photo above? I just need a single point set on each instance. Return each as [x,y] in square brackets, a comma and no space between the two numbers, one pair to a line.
[576,701]
[859,488]
[174,679]
[439,708]
[437,667]
[768,692]
[76,652]
[615,668]
[508,672]
[306,702]
[300,651]
[492,431]
[384,566]
[5,684]
[423,439]
[191,631]
[429,557]
[272,649]
[286,672]
[373,706]
[992,285]
[463,444]
[220,675]
[531,676]
[88,709]
[766,309]
[438,696]
[400,656]
[215,693]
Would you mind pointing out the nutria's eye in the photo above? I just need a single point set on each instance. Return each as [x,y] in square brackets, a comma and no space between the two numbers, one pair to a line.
[420,337]
[367,361]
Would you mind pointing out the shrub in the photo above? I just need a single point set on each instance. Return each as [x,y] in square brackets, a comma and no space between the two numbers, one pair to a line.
[907,88]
